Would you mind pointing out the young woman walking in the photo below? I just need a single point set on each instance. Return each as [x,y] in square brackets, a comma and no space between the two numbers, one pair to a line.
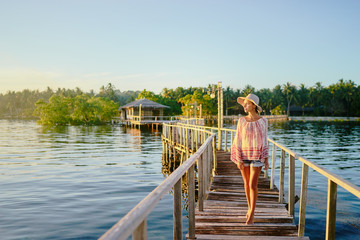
[250,149]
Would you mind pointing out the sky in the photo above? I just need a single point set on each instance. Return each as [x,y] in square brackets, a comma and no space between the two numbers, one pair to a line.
[153,45]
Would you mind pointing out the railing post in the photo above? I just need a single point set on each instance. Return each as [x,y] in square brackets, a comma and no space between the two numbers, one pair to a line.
[214,155]
[225,140]
[209,153]
[177,214]
[273,161]
[187,142]
[219,139]
[140,233]
[206,180]
[192,139]
[331,211]
[282,176]
[191,193]
[196,139]
[291,203]
[201,183]
[303,198]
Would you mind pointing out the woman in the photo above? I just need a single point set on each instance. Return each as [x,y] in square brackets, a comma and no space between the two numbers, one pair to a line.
[250,149]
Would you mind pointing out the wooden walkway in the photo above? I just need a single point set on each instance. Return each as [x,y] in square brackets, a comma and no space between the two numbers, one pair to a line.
[225,209]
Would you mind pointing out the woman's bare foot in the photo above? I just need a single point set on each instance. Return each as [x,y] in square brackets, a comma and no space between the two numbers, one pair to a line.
[250,219]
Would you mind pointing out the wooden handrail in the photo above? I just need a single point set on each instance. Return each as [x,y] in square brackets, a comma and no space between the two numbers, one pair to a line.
[333,180]
[331,176]
[135,221]
[180,134]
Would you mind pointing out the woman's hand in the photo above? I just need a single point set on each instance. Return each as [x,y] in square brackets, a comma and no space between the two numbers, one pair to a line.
[240,165]
[266,167]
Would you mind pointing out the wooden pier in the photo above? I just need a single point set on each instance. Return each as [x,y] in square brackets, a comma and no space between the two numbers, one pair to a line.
[223,216]
[216,200]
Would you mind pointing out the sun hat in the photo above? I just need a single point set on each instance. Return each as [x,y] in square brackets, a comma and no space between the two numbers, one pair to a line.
[251,97]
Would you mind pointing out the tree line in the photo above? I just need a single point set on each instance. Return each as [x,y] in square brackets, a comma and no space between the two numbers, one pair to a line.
[339,99]
[78,107]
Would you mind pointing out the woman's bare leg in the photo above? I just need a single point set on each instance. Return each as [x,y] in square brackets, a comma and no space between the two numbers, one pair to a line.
[245,173]
[253,185]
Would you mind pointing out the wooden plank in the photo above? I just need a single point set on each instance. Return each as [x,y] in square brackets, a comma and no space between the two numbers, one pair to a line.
[235,218]
[223,212]
[230,237]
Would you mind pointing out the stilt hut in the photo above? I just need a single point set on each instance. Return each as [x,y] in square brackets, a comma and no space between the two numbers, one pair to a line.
[142,111]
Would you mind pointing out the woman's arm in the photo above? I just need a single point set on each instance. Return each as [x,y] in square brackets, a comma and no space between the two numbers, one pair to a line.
[266,167]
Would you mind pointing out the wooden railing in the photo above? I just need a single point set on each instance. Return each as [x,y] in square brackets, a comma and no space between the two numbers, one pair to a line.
[227,135]
[198,143]
[151,118]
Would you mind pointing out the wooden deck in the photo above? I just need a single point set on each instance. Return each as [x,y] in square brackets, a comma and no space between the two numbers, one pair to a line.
[225,209]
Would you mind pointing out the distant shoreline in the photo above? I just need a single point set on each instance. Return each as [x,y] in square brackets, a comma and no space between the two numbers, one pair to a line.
[328,119]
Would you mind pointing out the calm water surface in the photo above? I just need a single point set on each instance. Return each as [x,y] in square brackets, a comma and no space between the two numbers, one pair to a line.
[76,182]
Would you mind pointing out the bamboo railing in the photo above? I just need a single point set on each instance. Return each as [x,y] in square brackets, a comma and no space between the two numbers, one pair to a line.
[199,147]
[198,144]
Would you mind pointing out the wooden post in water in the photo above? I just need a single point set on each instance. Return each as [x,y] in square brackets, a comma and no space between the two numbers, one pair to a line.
[303,197]
[177,215]
[331,210]
[291,203]
[282,176]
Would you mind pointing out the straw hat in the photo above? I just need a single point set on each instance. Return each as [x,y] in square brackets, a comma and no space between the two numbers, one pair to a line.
[251,97]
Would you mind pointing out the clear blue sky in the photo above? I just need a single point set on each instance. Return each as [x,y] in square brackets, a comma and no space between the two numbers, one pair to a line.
[151,45]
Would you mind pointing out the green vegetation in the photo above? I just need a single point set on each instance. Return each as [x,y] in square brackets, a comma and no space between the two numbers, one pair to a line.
[65,106]
[81,109]
[339,99]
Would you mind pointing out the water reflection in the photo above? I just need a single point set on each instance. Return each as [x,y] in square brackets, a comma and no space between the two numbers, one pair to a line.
[53,180]
[169,165]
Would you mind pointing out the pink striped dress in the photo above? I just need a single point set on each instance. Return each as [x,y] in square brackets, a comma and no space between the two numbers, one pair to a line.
[250,142]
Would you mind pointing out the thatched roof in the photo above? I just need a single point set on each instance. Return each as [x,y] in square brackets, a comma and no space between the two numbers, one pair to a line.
[145,103]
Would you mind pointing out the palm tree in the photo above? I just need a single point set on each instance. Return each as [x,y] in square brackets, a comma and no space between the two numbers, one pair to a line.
[248,89]
[302,97]
[289,91]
